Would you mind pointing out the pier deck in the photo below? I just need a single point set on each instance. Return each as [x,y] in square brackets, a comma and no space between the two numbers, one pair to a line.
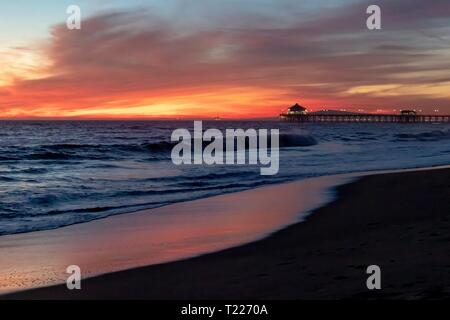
[388,118]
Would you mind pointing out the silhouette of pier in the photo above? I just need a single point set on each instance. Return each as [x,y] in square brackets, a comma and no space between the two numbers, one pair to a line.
[374,118]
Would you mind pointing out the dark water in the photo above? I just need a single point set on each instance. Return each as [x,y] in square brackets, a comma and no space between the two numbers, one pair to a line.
[54,174]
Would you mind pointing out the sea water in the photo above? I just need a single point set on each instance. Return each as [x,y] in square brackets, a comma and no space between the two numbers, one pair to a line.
[58,173]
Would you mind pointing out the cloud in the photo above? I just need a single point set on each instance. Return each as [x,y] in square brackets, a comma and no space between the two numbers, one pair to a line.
[137,63]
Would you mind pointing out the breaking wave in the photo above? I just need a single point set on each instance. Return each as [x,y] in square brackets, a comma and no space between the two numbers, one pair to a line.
[296,140]
[434,135]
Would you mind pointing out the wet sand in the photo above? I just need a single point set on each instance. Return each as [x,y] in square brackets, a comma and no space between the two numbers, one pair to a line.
[399,221]
[169,233]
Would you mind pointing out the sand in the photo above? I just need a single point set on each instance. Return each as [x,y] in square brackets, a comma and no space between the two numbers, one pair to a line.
[399,221]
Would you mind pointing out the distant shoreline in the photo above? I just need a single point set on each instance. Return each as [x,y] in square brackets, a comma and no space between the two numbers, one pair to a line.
[399,221]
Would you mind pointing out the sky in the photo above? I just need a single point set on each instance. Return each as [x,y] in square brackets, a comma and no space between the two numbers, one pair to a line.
[221,58]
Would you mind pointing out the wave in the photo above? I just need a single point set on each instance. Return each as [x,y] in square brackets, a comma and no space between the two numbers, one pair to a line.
[49,156]
[143,147]
[6,179]
[434,135]
[161,146]
[34,171]
[2,158]
[296,140]
[68,151]
[285,141]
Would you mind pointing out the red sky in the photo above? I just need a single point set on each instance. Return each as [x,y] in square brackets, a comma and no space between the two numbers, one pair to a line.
[135,63]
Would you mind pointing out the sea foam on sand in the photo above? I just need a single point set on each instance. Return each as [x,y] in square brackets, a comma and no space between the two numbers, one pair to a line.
[159,235]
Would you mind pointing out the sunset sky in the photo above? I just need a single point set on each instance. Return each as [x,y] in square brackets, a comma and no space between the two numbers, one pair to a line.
[227,58]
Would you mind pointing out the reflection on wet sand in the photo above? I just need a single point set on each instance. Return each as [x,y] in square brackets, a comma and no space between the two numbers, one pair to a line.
[158,235]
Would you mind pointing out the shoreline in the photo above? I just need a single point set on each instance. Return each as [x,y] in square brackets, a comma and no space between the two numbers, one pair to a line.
[322,257]
[154,236]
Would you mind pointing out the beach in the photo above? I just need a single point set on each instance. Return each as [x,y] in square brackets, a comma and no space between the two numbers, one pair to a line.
[398,221]
[177,150]
[169,233]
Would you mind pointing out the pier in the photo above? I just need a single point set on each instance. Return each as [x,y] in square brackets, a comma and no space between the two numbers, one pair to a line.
[382,118]
[297,113]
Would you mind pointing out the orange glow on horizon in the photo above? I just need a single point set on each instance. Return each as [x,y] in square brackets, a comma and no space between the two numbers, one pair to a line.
[206,103]
[150,69]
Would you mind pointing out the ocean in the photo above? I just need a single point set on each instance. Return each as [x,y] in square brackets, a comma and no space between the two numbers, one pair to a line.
[58,173]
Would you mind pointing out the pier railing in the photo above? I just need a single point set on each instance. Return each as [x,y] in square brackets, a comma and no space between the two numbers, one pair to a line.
[388,118]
